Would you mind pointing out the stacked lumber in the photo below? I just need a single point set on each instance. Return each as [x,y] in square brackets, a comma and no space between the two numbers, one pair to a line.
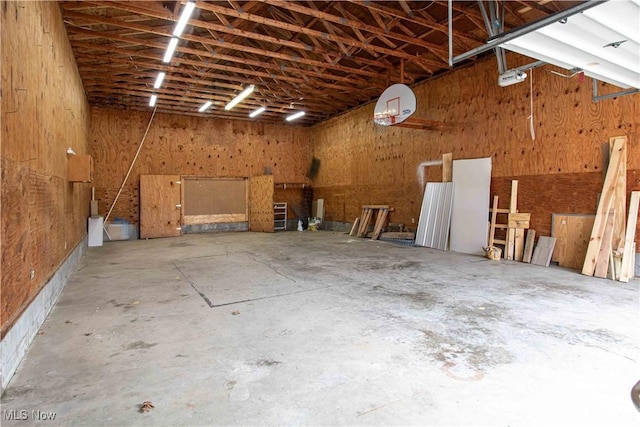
[435,216]
[611,251]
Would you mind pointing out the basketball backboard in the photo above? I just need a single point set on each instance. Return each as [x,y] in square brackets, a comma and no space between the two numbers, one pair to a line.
[395,105]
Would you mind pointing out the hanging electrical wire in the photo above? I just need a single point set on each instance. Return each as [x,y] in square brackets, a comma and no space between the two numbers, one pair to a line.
[532,130]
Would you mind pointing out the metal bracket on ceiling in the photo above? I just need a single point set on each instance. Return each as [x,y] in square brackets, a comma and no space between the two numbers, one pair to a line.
[491,21]
[597,97]
[507,36]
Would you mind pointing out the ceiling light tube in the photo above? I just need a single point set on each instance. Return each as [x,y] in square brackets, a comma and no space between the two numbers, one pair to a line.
[184,18]
[257,112]
[205,106]
[159,80]
[170,49]
[152,101]
[239,98]
[295,116]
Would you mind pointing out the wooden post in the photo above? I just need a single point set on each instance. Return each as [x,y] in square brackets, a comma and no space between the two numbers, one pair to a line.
[620,200]
[605,254]
[628,257]
[494,214]
[447,167]
[511,232]
[519,245]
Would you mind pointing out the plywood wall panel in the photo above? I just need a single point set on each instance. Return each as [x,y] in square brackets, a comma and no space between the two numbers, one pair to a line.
[189,146]
[44,111]
[561,166]
[261,190]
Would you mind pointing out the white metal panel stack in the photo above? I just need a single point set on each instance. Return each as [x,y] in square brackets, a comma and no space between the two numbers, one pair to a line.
[435,216]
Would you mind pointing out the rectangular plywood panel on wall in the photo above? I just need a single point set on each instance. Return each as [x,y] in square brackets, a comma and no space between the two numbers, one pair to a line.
[159,206]
[261,203]
[214,200]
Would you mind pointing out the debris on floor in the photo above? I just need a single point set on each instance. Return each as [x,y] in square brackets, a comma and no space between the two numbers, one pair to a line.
[235,313]
[146,406]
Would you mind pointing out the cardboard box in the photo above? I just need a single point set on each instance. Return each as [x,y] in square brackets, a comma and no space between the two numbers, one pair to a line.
[118,231]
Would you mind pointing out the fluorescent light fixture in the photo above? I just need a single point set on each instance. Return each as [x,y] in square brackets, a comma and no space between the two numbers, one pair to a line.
[184,18]
[239,98]
[257,112]
[295,116]
[170,49]
[159,80]
[152,101]
[205,106]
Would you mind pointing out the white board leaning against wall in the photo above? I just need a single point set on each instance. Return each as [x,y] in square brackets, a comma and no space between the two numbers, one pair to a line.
[472,181]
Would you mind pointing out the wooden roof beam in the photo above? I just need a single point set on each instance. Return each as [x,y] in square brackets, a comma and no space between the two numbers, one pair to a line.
[351,23]
[377,7]
[233,31]
[216,43]
[314,33]
[82,58]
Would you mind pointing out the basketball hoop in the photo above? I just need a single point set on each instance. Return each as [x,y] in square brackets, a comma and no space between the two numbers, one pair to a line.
[382,121]
[394,106]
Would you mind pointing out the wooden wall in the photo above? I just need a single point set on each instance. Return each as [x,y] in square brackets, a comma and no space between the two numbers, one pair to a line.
[187,146]
[44,111]
[559,171]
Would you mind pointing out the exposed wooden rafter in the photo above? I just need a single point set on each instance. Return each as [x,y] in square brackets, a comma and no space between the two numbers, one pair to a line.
[321,56]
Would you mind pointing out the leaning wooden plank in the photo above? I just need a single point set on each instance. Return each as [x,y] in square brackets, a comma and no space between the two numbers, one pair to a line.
[528,246]
[494,214]
[511,232]
[632,264]
[354,227]
[542,252]
[364,221]
[380,220]
[447,167]
[612,266]
[377,207]
[602,261]
[572,232]
[620,198]
[605,204]
[628,256]
[518,253]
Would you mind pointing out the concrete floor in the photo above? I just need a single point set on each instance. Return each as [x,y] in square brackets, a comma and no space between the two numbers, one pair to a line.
[318,328]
